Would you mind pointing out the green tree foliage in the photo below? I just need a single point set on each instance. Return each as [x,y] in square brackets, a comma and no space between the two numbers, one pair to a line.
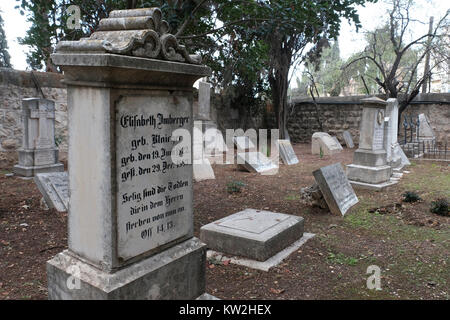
[285,27]
[323,74]
[4,55]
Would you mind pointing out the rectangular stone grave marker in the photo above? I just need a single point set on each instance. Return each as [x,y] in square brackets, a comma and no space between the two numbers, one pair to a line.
[338,144]
[348,139]
[336,188]
[255,234]
[54,188]
[256,162]
[287,152]
[203,170]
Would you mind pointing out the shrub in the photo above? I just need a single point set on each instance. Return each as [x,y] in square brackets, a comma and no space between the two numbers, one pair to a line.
[440,207]
[411,196]
[235,186]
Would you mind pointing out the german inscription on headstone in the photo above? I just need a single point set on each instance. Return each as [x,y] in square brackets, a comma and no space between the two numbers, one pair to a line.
[154,194]
[336,189]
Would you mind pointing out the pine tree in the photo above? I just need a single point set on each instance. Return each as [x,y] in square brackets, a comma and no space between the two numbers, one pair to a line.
[4,55]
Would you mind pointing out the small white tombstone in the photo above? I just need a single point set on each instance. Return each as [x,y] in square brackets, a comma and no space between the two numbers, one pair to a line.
[323,141]
[426,133]
[203,169]
[256,162]
[348,139]
[287,152]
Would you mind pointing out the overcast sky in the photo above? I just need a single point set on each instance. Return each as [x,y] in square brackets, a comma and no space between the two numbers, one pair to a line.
[350,42]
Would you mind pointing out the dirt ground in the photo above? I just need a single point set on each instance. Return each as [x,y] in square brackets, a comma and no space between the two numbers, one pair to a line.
[405,240]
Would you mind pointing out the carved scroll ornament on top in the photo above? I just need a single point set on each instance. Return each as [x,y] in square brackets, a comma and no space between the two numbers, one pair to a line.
[137,32]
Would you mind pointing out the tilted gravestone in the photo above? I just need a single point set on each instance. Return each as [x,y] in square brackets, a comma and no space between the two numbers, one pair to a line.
[256,162]
[425,133]
[348,139]
[338,144]
[336,189]
[38,153]
[203,169]
[54,188]
[323,142]
[287,152]
[244,143]
[369,168]
[130,225]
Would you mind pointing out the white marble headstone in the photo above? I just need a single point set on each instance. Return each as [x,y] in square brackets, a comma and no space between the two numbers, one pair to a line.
[287,152]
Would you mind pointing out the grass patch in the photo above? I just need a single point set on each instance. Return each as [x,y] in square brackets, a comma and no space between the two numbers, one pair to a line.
[341,258]
[292,197]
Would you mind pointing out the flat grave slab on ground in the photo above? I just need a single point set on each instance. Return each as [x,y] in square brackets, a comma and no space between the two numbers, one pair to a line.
[254,234]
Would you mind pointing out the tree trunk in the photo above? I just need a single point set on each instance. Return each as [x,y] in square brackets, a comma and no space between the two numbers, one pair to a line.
[279,81]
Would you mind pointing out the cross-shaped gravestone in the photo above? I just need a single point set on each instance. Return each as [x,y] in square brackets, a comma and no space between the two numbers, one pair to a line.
[45,137]
[38,153]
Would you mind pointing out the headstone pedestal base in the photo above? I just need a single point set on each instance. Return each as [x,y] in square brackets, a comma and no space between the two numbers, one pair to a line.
[368,174]
[29,162]
[177,273]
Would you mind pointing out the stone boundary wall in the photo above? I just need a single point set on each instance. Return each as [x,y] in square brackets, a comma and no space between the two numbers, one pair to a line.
[336,113]
[344,113]
[16,85]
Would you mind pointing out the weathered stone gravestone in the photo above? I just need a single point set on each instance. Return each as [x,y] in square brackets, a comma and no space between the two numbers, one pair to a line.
[38,153]
[204,100]
[287,152]
[369,168]
[336,188]
[256,162]
[255,234]
[203,169]
[338,144]
[425,133]
[348,139]
[130,144]
[243,143]
[54,188]
[393,148]
[323,141]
